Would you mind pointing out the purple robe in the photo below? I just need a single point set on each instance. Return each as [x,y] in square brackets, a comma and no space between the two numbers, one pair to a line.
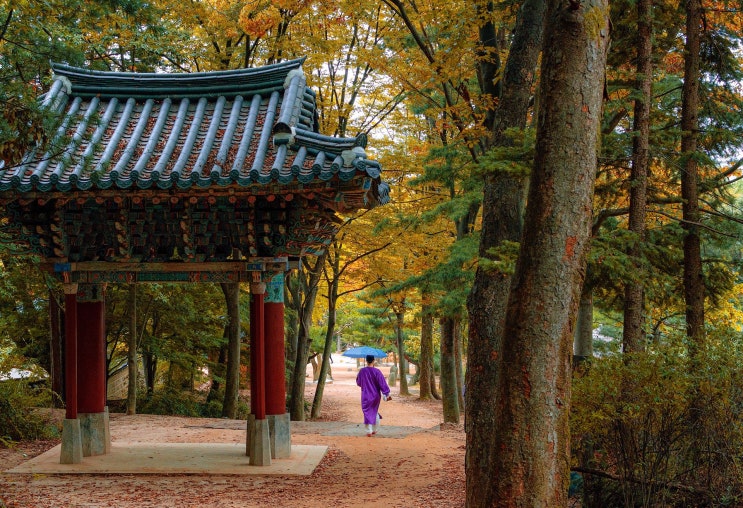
[372,383]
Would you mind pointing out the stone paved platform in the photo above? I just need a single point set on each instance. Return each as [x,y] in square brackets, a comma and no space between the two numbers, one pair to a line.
[176,458]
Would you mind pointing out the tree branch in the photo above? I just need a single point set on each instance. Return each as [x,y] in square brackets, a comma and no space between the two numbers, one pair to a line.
[714,182]
[6,24]
[665,485]
[693,223]
[720,214]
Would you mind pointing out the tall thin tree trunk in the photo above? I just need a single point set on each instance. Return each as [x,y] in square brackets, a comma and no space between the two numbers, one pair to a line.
[532,401]
[294,296]
[131,389]
[296,404]
[426,373]
[449,388]
[55,347]
[634,336]
[327,348]
[693,277]
[583,347]
[634,290]
[232,380]
[694,288]
[502,210]
[402,364]
[219,370]
[458,371]
[149,362]
[304,307]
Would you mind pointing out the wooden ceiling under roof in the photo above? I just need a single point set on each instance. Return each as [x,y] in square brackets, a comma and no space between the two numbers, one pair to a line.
[202,167]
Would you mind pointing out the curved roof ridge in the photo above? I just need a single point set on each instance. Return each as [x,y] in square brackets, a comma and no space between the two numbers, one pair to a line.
[321,142]
[88,82]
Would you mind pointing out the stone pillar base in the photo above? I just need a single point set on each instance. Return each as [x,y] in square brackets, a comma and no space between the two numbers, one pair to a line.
[72,448]
[280,436]
[258,442]
[94,433]
[106,430]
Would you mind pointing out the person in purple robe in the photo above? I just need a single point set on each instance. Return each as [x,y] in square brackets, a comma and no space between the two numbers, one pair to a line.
[373,388]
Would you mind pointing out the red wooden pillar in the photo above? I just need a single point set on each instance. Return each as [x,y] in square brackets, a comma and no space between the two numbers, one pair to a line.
[71,451]
[70,351]
[274,352]
[258,438]
[257,351]
[91,375]
[91,356]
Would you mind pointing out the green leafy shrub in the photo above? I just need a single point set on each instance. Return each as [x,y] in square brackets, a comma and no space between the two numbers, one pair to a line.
[243,408]
[20,418]
[211,409]
[171,401]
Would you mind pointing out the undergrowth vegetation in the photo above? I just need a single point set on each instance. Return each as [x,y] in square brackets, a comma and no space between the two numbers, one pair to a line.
[660,428]
[20,416]
[172,401]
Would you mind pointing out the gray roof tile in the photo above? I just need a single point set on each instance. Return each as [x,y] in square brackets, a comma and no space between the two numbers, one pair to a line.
[141,130]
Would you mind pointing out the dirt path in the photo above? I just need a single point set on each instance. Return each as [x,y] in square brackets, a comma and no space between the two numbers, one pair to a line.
[410,463]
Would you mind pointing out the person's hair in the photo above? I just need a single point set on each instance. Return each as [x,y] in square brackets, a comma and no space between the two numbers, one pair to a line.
[369,358]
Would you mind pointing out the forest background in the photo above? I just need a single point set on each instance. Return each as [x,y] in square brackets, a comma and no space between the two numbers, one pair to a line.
[449,94]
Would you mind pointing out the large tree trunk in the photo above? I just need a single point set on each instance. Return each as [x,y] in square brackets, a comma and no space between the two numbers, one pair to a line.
[532,438]
[449,387]
[634,290]
[232,379]
[131,389]
[502,208]
[693,281]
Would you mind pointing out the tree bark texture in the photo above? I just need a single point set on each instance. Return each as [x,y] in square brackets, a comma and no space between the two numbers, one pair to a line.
[693,277]
[449,394]
[532,439]
[232,379]
[426,374]
[131,355]
[634,290]
[502,208]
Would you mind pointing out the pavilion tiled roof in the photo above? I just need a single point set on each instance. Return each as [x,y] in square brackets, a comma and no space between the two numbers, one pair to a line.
[185,167]
[244,127]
